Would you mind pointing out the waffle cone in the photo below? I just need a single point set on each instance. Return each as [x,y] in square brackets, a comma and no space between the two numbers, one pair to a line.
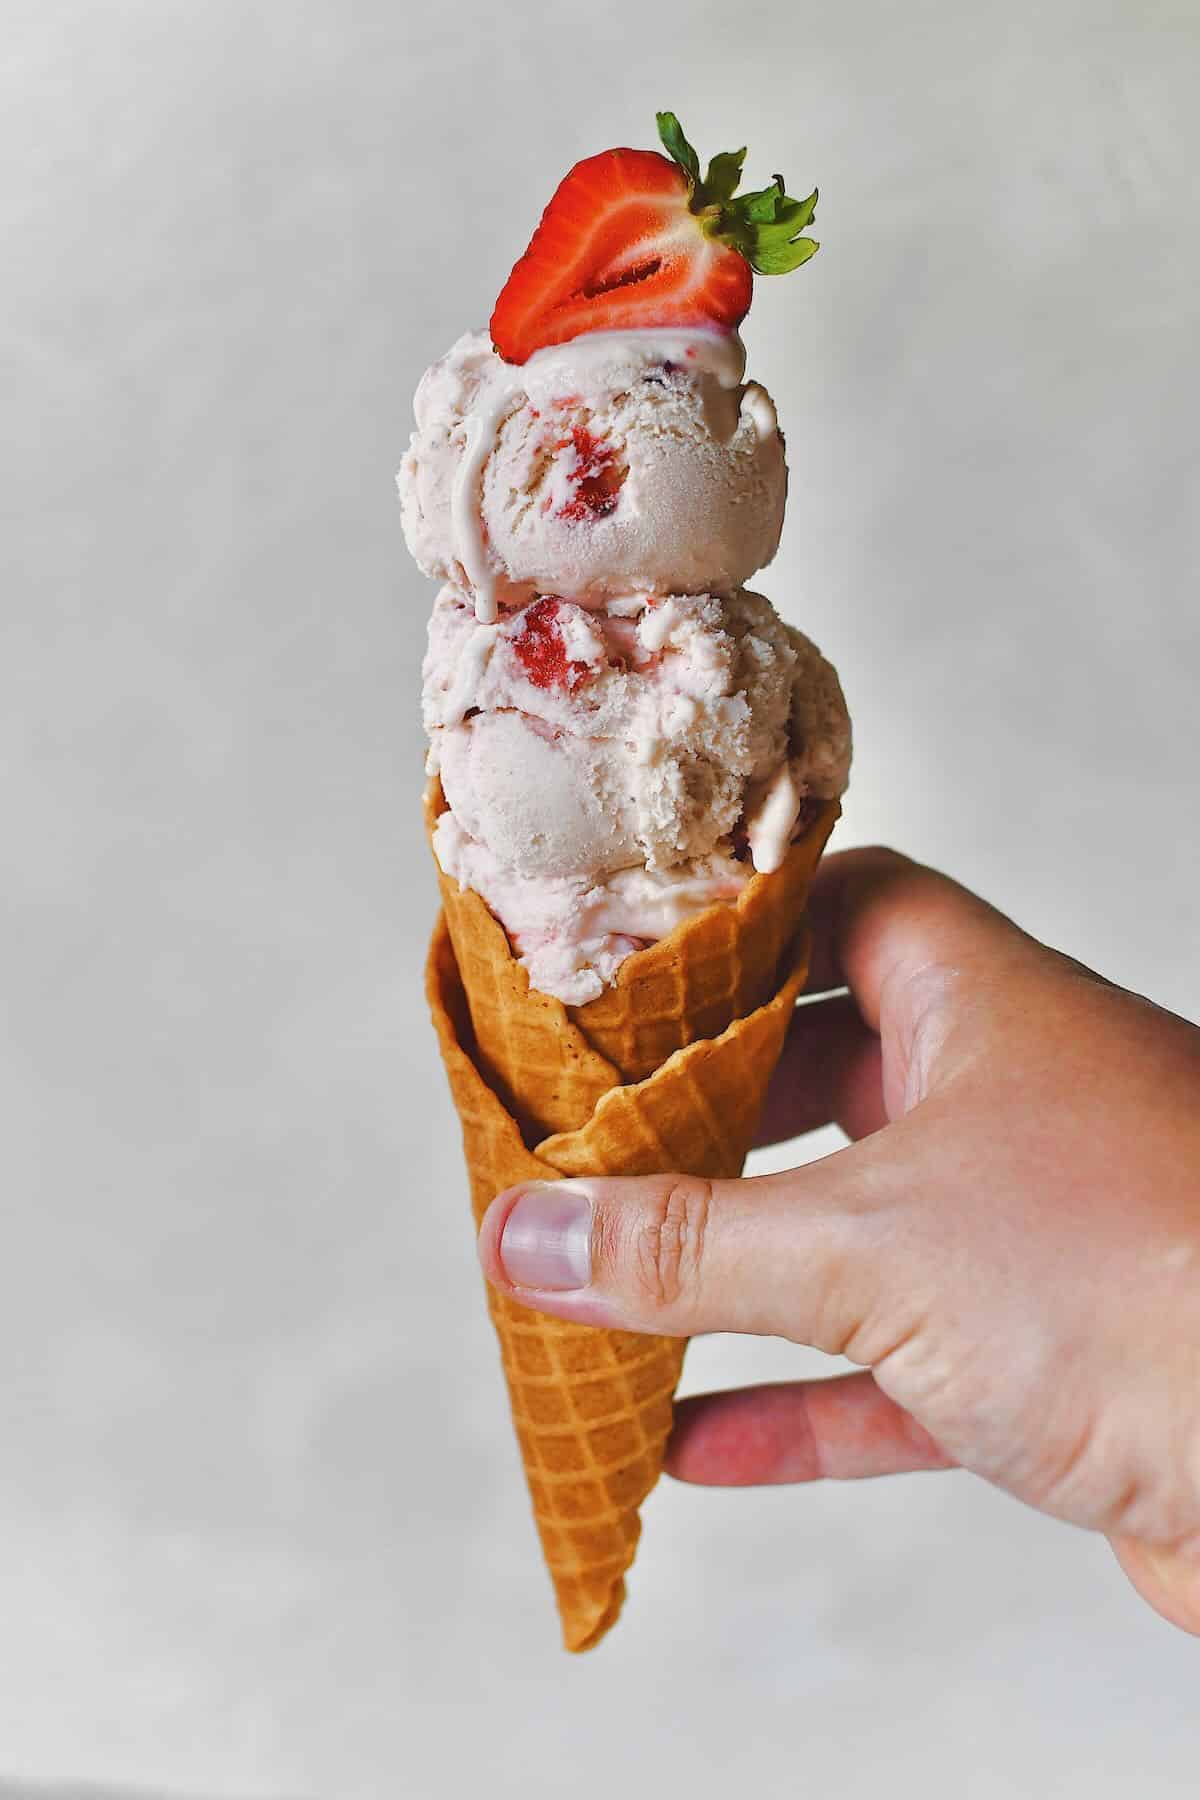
[550,1063]
[545,1091]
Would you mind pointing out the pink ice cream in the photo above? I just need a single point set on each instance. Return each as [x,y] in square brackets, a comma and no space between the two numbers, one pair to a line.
[624,732]
[621,462]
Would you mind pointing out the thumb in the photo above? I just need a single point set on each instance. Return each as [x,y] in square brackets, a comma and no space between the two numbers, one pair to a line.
[794,1255]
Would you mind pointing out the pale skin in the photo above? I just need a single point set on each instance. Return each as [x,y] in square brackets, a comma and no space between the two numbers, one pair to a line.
[1009,1246]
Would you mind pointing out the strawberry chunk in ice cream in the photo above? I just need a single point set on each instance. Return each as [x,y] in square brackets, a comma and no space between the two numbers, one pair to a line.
[541,648]
[596,477]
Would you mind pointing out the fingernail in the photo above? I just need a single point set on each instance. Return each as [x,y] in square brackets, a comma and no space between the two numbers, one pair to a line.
[547,1238]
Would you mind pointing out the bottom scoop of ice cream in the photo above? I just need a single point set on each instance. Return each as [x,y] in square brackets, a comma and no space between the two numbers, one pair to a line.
[573,933]
[610,771]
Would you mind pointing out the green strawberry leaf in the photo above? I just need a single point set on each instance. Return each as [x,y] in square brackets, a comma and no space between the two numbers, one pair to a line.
[724,173]
[670,132]
[764,226]
[790,215]
[761,207]
[781,259]
[806,210]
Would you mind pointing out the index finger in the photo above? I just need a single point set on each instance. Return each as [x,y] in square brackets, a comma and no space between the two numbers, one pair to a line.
[878,918]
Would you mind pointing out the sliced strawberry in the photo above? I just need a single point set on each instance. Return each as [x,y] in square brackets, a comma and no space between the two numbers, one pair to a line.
[618,248]
[631,238]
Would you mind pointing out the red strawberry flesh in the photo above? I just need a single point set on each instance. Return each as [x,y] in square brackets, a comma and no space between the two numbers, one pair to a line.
[597,478]
[540,648]
[617,249]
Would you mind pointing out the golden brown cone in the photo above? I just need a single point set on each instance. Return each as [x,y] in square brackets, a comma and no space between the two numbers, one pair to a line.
[719,965]
[592,1408]
[694,1026]
[551,1063]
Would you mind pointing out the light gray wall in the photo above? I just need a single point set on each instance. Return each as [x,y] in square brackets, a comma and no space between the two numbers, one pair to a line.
[261,1526]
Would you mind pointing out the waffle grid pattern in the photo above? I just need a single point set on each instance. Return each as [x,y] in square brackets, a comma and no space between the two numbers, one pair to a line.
[592,1408]
[551,1063]
[698,1112]
[719,966]
[592,1413]
[541,1064]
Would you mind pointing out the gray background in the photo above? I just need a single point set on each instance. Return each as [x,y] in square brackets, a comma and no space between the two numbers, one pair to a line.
[261,1526]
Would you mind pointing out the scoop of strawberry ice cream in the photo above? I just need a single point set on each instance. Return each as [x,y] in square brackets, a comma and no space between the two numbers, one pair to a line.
[620,461]
[609,770]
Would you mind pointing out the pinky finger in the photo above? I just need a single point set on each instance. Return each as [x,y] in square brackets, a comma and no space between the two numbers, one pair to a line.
[843,1429]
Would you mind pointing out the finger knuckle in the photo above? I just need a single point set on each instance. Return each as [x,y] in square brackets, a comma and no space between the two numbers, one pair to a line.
[883,856]
[670,1240]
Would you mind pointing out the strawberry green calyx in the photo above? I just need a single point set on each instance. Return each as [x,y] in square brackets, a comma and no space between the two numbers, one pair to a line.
[764,226]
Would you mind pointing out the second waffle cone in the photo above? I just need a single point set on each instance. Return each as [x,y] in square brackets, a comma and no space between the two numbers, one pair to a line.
[544,1091]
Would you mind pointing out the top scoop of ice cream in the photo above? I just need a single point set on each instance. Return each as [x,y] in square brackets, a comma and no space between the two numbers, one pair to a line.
[620,461]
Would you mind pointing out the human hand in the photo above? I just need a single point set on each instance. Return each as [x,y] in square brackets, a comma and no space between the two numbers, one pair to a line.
[1010,1245]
